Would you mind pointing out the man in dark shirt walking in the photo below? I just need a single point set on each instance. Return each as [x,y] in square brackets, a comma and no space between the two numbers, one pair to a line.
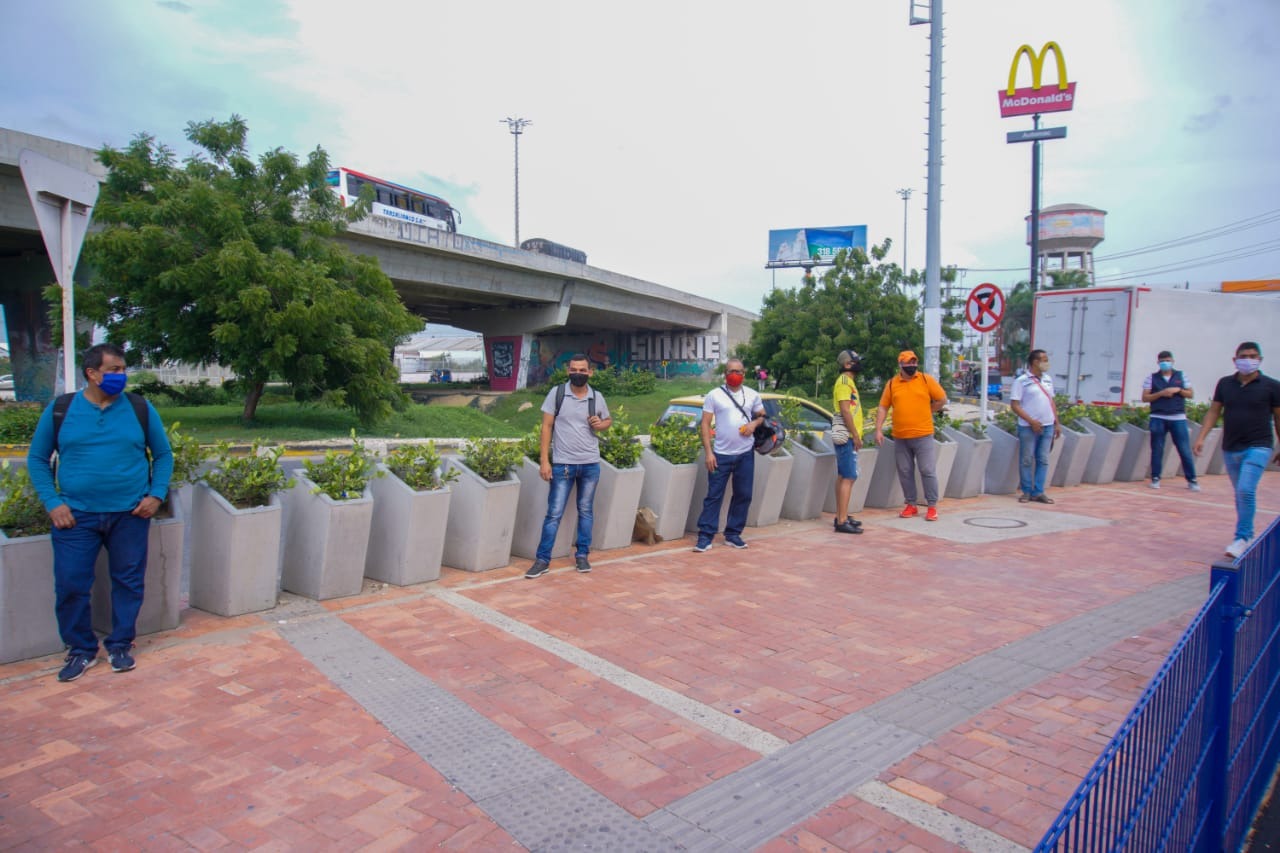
[1252,403]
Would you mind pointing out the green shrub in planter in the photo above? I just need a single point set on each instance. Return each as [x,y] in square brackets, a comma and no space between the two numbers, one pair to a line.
[343,476]
[675,440]
[418,465]
[531,444]
[1139,416]
[620,444]
[1007,421]
[789,414]
[18,422]
[21,512]
[492,458]
[1107,417]
[247,481]
[188,455]
[1197,411]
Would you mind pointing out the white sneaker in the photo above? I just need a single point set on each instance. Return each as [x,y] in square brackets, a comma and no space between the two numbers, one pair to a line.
[1193,486]
[1236,548]
[1155,484]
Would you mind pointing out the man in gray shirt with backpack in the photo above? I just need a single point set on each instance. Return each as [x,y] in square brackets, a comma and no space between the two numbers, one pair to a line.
[572,414]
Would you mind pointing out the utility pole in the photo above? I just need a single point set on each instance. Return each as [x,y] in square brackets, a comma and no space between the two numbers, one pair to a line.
[906,195]
[517,126]
[933,228]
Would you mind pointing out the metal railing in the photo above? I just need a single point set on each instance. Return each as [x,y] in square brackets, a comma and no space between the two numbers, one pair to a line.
[1189,766]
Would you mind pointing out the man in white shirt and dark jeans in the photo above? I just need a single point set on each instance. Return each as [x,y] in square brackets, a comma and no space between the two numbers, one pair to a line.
[1032,401]
[736,410]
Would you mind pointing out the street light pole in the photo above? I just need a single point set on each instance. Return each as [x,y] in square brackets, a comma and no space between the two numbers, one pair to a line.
[905,192]
[517,126]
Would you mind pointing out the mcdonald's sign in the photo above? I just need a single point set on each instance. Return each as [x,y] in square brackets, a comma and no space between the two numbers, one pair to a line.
[1035,99]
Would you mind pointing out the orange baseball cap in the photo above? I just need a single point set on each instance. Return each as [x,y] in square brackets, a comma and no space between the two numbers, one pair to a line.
[906,355]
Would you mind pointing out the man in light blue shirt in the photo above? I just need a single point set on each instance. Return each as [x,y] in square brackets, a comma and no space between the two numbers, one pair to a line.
[104,495]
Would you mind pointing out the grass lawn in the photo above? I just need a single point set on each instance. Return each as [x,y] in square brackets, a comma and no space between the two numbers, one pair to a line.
[280,419]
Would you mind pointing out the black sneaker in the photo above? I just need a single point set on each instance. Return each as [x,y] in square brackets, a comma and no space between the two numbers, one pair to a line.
[850,520]
[582,564]
[736,542]
[847,527]
[121,660]
[75,666]
[538,569]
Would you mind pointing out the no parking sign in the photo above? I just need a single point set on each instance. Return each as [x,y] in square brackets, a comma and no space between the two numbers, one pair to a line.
[985,307]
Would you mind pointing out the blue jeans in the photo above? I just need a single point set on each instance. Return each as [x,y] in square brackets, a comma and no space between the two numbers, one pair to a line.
[846,460]
[563,478]
[742,468]
[1181,441]
[1033,458]
[1245,468]
[75,550]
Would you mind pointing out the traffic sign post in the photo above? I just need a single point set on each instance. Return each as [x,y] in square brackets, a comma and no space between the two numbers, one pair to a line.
[984,309]
[63,199]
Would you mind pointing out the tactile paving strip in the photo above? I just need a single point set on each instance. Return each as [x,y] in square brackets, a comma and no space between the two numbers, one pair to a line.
[757,803]
[540,804]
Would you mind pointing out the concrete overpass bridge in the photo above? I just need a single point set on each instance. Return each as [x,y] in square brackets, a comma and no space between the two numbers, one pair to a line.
[533,309]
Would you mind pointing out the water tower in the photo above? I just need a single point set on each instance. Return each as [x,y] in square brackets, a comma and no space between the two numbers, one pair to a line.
[1068,234]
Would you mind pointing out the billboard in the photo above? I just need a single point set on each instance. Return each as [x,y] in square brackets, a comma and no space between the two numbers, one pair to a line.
[794,247]
[1070,224]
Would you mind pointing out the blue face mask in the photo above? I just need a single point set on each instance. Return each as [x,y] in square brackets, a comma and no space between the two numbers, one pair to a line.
[113,383]
[1166,366]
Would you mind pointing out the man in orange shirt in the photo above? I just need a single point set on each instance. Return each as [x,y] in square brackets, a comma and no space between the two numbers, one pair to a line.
[914,398]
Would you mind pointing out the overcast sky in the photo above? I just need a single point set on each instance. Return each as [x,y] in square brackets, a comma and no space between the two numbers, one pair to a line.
[668,138]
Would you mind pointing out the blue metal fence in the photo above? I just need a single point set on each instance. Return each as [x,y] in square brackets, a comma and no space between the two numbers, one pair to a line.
[1188,768]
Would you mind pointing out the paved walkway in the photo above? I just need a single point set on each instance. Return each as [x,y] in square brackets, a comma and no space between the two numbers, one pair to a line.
[920,687]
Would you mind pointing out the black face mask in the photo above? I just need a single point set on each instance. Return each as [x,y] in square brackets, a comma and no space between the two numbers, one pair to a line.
[910,369]
[578,379]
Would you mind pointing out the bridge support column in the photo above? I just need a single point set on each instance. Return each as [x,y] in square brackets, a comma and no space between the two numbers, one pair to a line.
[33,352]
[507,359]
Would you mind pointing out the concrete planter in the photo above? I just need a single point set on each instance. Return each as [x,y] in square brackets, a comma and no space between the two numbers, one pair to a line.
[1104,458]
[969,470]
[1002,466]
[531,511]
[406,536]
[768,488]
[162,590]
[28,626]
[867,457]
[1212,451]
[667,489]
[813,477]
[886,491]
[235,554]
[617,499]
[1077,445]
[482,519]
[326,542]
[1135,461]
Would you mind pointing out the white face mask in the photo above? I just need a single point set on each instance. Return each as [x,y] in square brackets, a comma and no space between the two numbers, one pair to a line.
[1248,365]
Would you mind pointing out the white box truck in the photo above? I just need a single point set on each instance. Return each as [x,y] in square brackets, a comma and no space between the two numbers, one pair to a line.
[1102,341]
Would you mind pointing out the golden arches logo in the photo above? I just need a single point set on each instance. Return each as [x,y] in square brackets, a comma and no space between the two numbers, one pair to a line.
[1037,65]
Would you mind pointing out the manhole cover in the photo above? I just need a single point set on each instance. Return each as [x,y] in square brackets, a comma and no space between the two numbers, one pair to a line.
[995,523]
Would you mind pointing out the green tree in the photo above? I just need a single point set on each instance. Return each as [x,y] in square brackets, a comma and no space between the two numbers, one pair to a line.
[230,261]
[1062,279]
[857,304]
[1015,326]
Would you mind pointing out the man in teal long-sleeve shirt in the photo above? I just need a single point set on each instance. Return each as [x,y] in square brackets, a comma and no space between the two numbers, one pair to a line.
[105,493]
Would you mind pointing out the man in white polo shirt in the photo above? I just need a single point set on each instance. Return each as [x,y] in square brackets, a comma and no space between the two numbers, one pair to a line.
[736,410]
[1032,401]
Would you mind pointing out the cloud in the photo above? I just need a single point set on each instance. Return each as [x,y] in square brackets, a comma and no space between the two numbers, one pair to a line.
[175,6]
[1202,122]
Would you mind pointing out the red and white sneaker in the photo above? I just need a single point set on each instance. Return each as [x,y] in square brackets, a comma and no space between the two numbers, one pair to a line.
[931,514]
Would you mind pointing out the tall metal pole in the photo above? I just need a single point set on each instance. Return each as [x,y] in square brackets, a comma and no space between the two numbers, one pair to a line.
[933,230]
[1035,208]
[517,126]
[906,195]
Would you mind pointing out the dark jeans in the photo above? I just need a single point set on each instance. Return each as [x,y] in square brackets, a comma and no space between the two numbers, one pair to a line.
[75,551]
[742,469]
[1181,441]
[563,478]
